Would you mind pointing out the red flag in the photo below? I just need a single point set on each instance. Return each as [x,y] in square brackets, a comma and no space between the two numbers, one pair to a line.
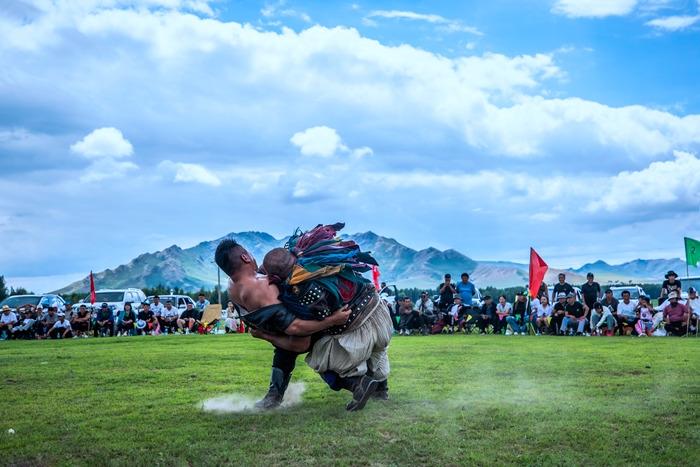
[375,276]
[538,268]
[92,289]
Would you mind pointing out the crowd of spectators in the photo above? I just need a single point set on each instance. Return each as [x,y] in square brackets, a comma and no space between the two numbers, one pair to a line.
[155,318]
[592,312]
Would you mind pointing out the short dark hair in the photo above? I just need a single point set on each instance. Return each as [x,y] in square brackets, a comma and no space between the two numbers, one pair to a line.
[227,255]
[465,274]
[608,290]
[626,292]
[448,276]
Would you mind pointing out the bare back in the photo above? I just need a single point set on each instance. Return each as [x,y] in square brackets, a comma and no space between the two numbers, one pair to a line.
[254,292]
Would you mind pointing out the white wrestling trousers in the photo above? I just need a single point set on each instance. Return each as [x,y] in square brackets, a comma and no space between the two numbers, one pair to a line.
[355,352]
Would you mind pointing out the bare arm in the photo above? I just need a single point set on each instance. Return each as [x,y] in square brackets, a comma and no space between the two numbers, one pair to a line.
[305,327]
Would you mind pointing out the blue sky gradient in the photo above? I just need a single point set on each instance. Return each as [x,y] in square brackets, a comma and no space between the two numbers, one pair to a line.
[130,125]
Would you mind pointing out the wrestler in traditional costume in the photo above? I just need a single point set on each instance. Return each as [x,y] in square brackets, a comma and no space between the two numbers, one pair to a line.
[316,273]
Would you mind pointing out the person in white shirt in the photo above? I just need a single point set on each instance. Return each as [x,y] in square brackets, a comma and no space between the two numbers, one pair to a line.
[202,302]
[542,311]
[626,313]
[503,309]
[168,318]
[157,307]
[61,329]
[602,315]
[233,321]
[8,319]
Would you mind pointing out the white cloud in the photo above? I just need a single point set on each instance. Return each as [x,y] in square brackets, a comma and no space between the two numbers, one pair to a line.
[447,24]
[673,23]
[276,9]
[593,8]
[103,142]
[105,169]
[674,184]
[320,141]
[183,172]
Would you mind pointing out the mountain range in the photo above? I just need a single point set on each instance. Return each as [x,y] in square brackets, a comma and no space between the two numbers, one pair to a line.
[194,268]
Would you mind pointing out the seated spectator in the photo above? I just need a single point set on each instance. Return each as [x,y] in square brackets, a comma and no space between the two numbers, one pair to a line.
[543,315]
[47,322]
[126,321]
[626,315]
[517,320]
[575,316]
[25,327]
[157,307]
[189,319]
[671,284]
[456,315]
[146,322]
[558,313]
[61,329]
[487,314]
[104,321]
[425,313]
[610,301]
[406,317]
[8,320]
[675,316]
[645,315]
[693,305]
[602,317]
[81,321]
[503,310]
[169,316]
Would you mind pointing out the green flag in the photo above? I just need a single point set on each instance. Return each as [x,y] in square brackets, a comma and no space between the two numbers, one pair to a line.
[692,251]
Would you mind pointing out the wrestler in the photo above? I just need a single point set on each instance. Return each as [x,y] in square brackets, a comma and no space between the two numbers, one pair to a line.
[268,318]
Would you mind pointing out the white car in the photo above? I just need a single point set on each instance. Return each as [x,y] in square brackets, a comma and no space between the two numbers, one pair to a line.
[179,301]
[115,299]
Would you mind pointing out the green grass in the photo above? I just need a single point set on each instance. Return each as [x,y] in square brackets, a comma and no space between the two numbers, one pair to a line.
[455,400]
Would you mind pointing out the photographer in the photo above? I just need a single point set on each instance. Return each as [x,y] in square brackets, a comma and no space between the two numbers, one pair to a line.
[426,314]
[447,292]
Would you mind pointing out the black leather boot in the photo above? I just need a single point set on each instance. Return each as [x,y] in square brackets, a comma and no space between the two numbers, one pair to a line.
[382,391]
[275,393]
[361,393]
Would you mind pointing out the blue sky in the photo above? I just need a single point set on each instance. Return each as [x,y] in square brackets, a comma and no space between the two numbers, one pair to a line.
[130,125]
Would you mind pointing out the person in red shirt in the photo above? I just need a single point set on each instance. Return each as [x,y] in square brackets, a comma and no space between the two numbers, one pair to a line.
[675,316]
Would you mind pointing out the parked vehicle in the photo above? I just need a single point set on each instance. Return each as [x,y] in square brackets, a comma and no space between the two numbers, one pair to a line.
[45,300]
[577,290]
[115,299]
[179,301]
[688,282]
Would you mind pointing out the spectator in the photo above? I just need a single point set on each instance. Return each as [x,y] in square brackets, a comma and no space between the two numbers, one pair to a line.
[602,316]
[104,321]
[518,317]
[406,317]
[188,319]
[675,316]
[503,310]
[575,316]
[49,319]
[25,327]
[562,286]
[8,320]
[157,307]
[466,290]
[169,316]
[385,290]
[68,310]
[426,313]
[61,329]
[610,301]
[146,322]
[693,305]
[40,315]
[671,284]
[126,321]
[233,320]
[81,321]
[626,315]
[455,315]
[645,315]
[556,324]
[543,315]
[447,292]
[591,291]
[202,302]
[487,314]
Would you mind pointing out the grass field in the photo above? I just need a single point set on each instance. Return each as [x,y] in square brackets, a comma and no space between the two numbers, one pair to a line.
[455,400]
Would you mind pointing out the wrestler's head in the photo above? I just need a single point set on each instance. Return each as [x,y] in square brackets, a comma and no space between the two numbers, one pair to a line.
[232,258]
[278,264]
